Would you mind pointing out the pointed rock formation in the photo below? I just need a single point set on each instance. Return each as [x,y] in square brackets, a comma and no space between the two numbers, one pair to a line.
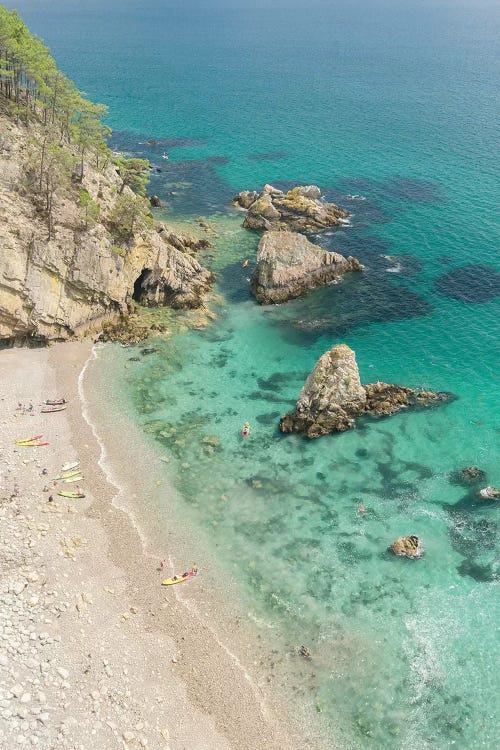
[299,210]
[332,397]
[288,264]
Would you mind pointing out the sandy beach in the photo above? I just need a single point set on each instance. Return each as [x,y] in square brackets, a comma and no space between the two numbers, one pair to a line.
[93,651]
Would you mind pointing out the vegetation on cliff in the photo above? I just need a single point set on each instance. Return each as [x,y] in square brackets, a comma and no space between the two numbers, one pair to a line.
[78,242]
[68,131]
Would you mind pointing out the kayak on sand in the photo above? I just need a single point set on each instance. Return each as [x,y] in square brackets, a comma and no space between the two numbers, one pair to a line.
[70,494]
[22,441]
[67,475]
[181,578]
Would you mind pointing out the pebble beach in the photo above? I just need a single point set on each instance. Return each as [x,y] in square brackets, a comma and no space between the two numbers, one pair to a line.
[92,650]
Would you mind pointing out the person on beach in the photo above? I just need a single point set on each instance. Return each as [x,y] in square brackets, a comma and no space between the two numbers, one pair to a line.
[51,499]
[162,564]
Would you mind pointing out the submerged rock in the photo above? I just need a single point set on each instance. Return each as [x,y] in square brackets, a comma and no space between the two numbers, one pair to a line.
[299,209]
[407,546]
[305,652]
[469,475]
[332,397]
[288,264]
[474,283]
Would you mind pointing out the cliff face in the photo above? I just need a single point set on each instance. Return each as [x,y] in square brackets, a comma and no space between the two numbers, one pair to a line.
[79,279]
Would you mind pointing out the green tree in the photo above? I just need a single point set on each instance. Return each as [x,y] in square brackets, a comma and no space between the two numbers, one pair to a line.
[90,209]
[129,215]
[134,173]
[56,177]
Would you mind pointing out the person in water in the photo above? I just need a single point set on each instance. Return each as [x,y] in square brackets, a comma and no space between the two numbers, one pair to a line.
[246,428]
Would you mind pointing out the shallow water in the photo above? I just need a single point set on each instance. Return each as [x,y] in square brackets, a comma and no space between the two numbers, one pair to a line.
[395,103]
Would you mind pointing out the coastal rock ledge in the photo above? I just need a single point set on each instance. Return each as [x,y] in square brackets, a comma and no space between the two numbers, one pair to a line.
[332,397]
[298,210]
[288,264]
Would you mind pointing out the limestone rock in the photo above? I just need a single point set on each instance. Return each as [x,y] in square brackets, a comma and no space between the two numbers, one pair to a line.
[79,280]
[288,264]
[299,209]
[468,475]
[407,546]
[489,493]
[333,397]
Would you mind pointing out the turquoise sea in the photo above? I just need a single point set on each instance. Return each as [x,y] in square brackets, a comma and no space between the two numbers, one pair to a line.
[396,102]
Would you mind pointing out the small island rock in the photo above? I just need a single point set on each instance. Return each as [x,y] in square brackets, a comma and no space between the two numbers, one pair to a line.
[299,210]
[288,264]
[332,397]
[407,546]
[155,201]
[489,493]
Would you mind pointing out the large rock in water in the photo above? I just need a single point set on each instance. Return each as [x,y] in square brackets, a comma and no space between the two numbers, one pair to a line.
[299,210]
[288,264]
[332,397]
[407,546]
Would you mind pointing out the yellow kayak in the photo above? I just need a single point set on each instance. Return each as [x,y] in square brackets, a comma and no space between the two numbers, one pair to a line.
[67,475]
[79,478]
[178,579]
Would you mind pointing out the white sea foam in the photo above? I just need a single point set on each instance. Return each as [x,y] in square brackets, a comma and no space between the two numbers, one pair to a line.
[395,269]
[192,608]
[120,491]
[103,461]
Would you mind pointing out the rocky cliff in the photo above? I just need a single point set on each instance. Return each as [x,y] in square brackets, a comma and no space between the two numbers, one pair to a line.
[288,264]
[80,278]
[333,397]
[298,210]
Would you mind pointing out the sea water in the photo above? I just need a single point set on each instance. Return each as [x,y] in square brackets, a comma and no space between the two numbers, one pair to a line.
[394,103]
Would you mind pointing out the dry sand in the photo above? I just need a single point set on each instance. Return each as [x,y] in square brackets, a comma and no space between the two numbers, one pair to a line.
[94,653]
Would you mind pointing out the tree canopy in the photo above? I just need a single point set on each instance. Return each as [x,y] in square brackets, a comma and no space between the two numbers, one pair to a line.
[70,130]
[31,82]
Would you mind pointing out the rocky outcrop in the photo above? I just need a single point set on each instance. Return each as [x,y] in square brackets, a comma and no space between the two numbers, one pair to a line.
[467,476]
[298,210]
[288,264]
[407,546]
[489,493]
[333,397]
[80,279]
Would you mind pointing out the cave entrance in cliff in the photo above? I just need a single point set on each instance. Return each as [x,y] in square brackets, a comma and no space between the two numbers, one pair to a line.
[139,292]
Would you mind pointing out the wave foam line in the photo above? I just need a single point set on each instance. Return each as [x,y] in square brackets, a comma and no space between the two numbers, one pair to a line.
[192,609]
[189,606]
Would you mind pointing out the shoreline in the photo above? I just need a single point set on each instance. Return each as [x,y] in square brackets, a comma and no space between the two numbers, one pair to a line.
[128,648]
